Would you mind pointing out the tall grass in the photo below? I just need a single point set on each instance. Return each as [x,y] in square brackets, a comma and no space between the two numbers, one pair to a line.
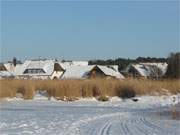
[87,88]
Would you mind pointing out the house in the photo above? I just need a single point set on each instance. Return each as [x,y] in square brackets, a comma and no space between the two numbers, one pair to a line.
[4,73]
[146,70]
[105,72]
[39,69]
[91,71]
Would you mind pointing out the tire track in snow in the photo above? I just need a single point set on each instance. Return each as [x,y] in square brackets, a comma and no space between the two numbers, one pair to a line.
[152,126]
[125,128]
[105,129]
[142,130]
[74,128]
[141,127]
[137,125]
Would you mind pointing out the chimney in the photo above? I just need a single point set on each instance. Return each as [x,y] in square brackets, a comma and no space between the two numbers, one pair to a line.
[14,61]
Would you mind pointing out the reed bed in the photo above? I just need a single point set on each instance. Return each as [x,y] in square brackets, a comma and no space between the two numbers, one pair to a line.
[88,88]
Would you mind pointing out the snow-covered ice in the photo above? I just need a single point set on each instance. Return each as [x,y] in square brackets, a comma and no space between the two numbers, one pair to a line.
[89,117]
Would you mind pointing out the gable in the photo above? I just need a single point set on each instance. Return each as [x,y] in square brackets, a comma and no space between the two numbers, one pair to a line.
[2,67]
[96,72]
[58,67]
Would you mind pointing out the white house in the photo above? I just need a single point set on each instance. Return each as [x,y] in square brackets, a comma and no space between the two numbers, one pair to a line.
[39,69]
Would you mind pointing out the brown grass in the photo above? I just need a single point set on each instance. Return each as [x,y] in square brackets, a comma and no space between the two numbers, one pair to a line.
[87,88]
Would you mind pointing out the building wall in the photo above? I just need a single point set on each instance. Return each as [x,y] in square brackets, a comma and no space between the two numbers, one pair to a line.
[56,75]
[96,73]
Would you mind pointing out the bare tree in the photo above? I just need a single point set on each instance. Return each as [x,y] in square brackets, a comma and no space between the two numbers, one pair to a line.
[173,70]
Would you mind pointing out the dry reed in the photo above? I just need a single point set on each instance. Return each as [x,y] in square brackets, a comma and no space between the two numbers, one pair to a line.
[87,88]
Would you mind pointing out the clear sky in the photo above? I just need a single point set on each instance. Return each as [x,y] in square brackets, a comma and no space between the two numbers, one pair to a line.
[89,30]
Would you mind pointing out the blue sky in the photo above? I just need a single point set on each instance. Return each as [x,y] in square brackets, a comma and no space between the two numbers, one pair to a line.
[89,30]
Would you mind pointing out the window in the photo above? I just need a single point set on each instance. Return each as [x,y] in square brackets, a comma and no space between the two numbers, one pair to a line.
[34,71]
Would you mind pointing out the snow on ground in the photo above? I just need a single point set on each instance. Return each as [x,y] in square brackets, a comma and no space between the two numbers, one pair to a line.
[89,116]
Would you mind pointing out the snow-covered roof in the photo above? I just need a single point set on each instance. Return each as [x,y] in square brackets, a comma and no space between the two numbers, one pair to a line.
[115,67]
[66,65]
[46,65]
[76,72]
[4,74]
[110,71]
[80,63]
[143,70]
[9,67]
[161,66]
[80,72]
[150,69]
[19,69]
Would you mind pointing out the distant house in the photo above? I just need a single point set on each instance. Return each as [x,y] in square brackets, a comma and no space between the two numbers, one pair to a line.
[146,70]
[4,73]
[91,71]
[39,69]
[105,72]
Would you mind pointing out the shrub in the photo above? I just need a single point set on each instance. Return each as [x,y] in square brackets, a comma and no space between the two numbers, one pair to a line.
[126,92]
[21,90]
[103,98]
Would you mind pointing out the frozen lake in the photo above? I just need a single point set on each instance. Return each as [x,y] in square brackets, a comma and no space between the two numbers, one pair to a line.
[91,117]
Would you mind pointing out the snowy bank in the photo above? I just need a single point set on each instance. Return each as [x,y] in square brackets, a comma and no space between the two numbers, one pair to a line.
[139,101]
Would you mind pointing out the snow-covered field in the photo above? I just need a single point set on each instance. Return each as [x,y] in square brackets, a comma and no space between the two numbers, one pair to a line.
[90,117]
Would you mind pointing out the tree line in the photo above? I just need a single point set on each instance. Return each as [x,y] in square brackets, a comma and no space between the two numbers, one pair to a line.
[173,61]
[123,62]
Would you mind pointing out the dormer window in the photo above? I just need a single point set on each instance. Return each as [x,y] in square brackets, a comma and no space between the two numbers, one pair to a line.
[34,71]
